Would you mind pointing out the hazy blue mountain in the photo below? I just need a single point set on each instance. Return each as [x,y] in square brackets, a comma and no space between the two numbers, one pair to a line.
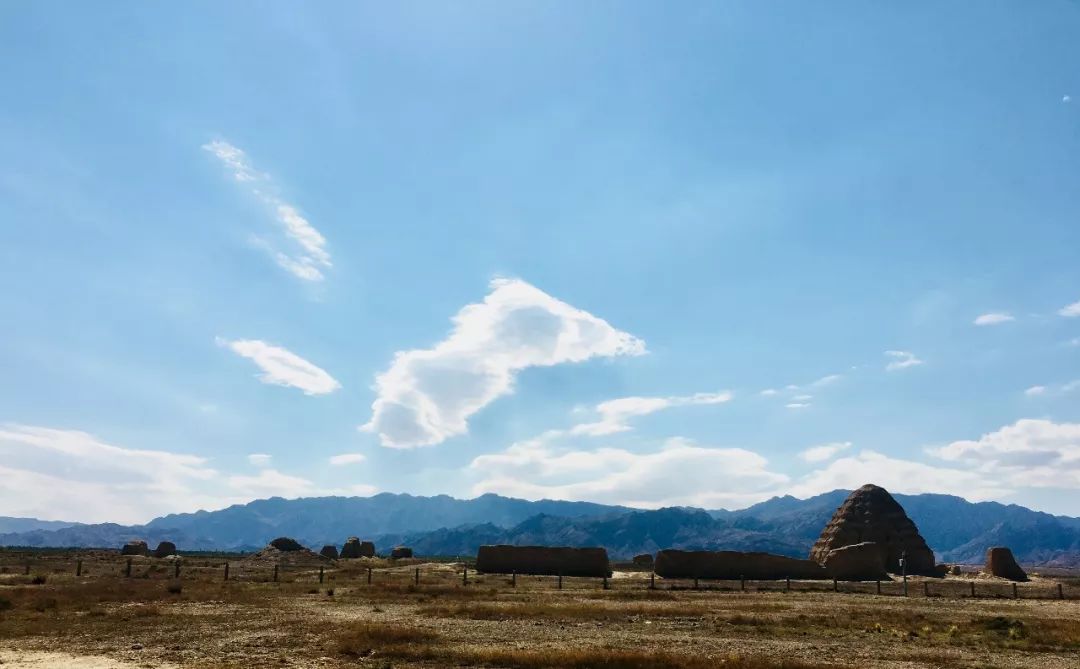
[8,524]
[957,530]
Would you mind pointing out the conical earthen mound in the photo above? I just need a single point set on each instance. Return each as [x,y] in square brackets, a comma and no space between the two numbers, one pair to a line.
[871,514]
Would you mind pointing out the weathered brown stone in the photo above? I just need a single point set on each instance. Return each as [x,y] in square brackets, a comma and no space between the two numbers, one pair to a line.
[870,514]
[732,565]
[857,562]
[286,544]
[135,548]
[543,560]
[1000,562]
[401,552]
[354,548]
[329,551]
[165,549]
[643,560]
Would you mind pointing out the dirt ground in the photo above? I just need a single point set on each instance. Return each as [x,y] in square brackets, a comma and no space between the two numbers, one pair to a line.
[105,619]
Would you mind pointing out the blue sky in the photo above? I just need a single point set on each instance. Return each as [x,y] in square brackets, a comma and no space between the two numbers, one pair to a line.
[542,249]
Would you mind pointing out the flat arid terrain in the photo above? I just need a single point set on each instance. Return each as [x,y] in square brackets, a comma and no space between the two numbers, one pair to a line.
[416,613]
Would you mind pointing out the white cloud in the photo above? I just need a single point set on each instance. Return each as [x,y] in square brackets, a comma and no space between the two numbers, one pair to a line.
[1066,99]
[259,459]
[679,473]
[1028,453]
[347,459]
[824,452]
[1071,310]
[803,398]
[769,392]
[615,414]
[271,483]
[895,475]
[71,475]
[1063,389]
[995,318]
[310,256]
[428,395]
[1035,390]
[282,367]
[797,405]
[826,380]
[901,360]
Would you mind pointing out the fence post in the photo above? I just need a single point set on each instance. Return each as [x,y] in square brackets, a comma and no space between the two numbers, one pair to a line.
[127,570]
[275,573]
[416,578]
[321,573]
[835,586]
[695,583]
[879,586]
[652,581]
[78,568]
[560,580]
[226,570]
[742,583]
[1061,592]
[605,582]
[176,569]
[513,579]
[1016,593]
[787,584]
[926,588]
[465,574]
[905,585]
[369,575]
[973,588]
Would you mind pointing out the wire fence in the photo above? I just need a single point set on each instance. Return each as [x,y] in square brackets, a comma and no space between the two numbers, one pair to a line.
[17,567]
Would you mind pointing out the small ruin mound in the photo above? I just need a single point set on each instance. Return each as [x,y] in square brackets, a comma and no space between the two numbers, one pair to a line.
[643,560]
[165,549]
[354,548]
[734,565]
[401,552]
[286,544]
[857,562]
[135,548]
[543,560]
[1000,562]
[870,514]
[329,551]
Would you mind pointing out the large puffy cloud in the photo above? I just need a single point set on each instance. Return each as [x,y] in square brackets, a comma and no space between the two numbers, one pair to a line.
[282,367]
[896,475]
[679,473]
[1028,453]
[71,475]
[615,414]
[309,256]
[428,395]
[57,474]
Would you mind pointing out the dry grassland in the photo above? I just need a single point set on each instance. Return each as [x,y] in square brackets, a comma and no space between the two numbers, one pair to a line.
[104,619]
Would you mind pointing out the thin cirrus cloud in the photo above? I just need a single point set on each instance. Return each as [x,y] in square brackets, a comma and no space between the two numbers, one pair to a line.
[824,451]
[615,414]
[308,258]
[282,367]
[901,360]
[428,395]
[260,459]
[347,459]
[994,318]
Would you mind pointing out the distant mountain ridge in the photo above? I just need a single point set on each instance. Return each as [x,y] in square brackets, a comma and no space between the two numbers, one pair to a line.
[957,530]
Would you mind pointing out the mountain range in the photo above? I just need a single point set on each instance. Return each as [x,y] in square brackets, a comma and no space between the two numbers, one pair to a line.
[957,530]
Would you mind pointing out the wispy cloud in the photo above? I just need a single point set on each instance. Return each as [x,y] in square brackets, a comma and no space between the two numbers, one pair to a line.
[260,459]
[282,367]
[347,459]
[824,451]
[901,360]
[615,414]
[1055,390]
[797,405]
[995,318]
[1035,390]
[428,395]
[1071,310]
[310,257]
